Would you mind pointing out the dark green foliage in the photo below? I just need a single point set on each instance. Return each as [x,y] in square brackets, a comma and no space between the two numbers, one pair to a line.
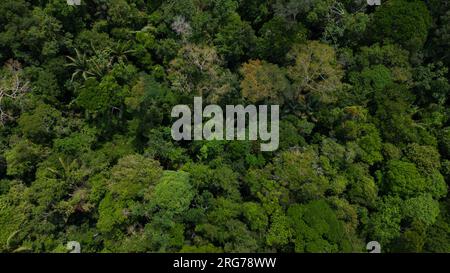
[403,22]
[86,152]
[317,229]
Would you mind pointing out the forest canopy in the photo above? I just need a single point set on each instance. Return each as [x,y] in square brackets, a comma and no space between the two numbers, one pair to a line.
[86,152]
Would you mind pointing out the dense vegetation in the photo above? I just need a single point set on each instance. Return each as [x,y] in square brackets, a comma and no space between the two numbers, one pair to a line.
[85,147]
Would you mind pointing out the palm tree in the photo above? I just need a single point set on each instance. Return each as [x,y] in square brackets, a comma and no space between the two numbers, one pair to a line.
[16,250]
[81,65]
[121,50]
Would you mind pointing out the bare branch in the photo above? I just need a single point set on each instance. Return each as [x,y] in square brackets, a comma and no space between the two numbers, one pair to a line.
[12,88]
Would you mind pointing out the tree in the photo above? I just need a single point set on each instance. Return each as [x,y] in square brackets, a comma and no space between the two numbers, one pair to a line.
[197,71]
[314,12]
[12,89]
[362,187]
[263,82]
[444,142]
[440,35]
[22,159]
[403,22]
[41,124]
[422,208]
[276,37]
[255,215]
[394,113]
[403,178]
[133,176]
[280,232]
[101,98]
[86,152]
[236,40]
[13,213]
[431,85]
[303,173]
[345,28]
[370,143]
[315,73]
[220,180]
[384,224]
[426,158]
[316,228]
[371,79]
[173,193]
[224,228]
[438,235]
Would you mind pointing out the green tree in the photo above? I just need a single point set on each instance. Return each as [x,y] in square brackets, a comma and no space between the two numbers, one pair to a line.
[403,22]
[422,208]
[303,174]
[384,224]
[41,124]
[276,37]
[315,73]
[403,178]
[317,229]
[263,81]
[173,193]
[235,40]
[22,159]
